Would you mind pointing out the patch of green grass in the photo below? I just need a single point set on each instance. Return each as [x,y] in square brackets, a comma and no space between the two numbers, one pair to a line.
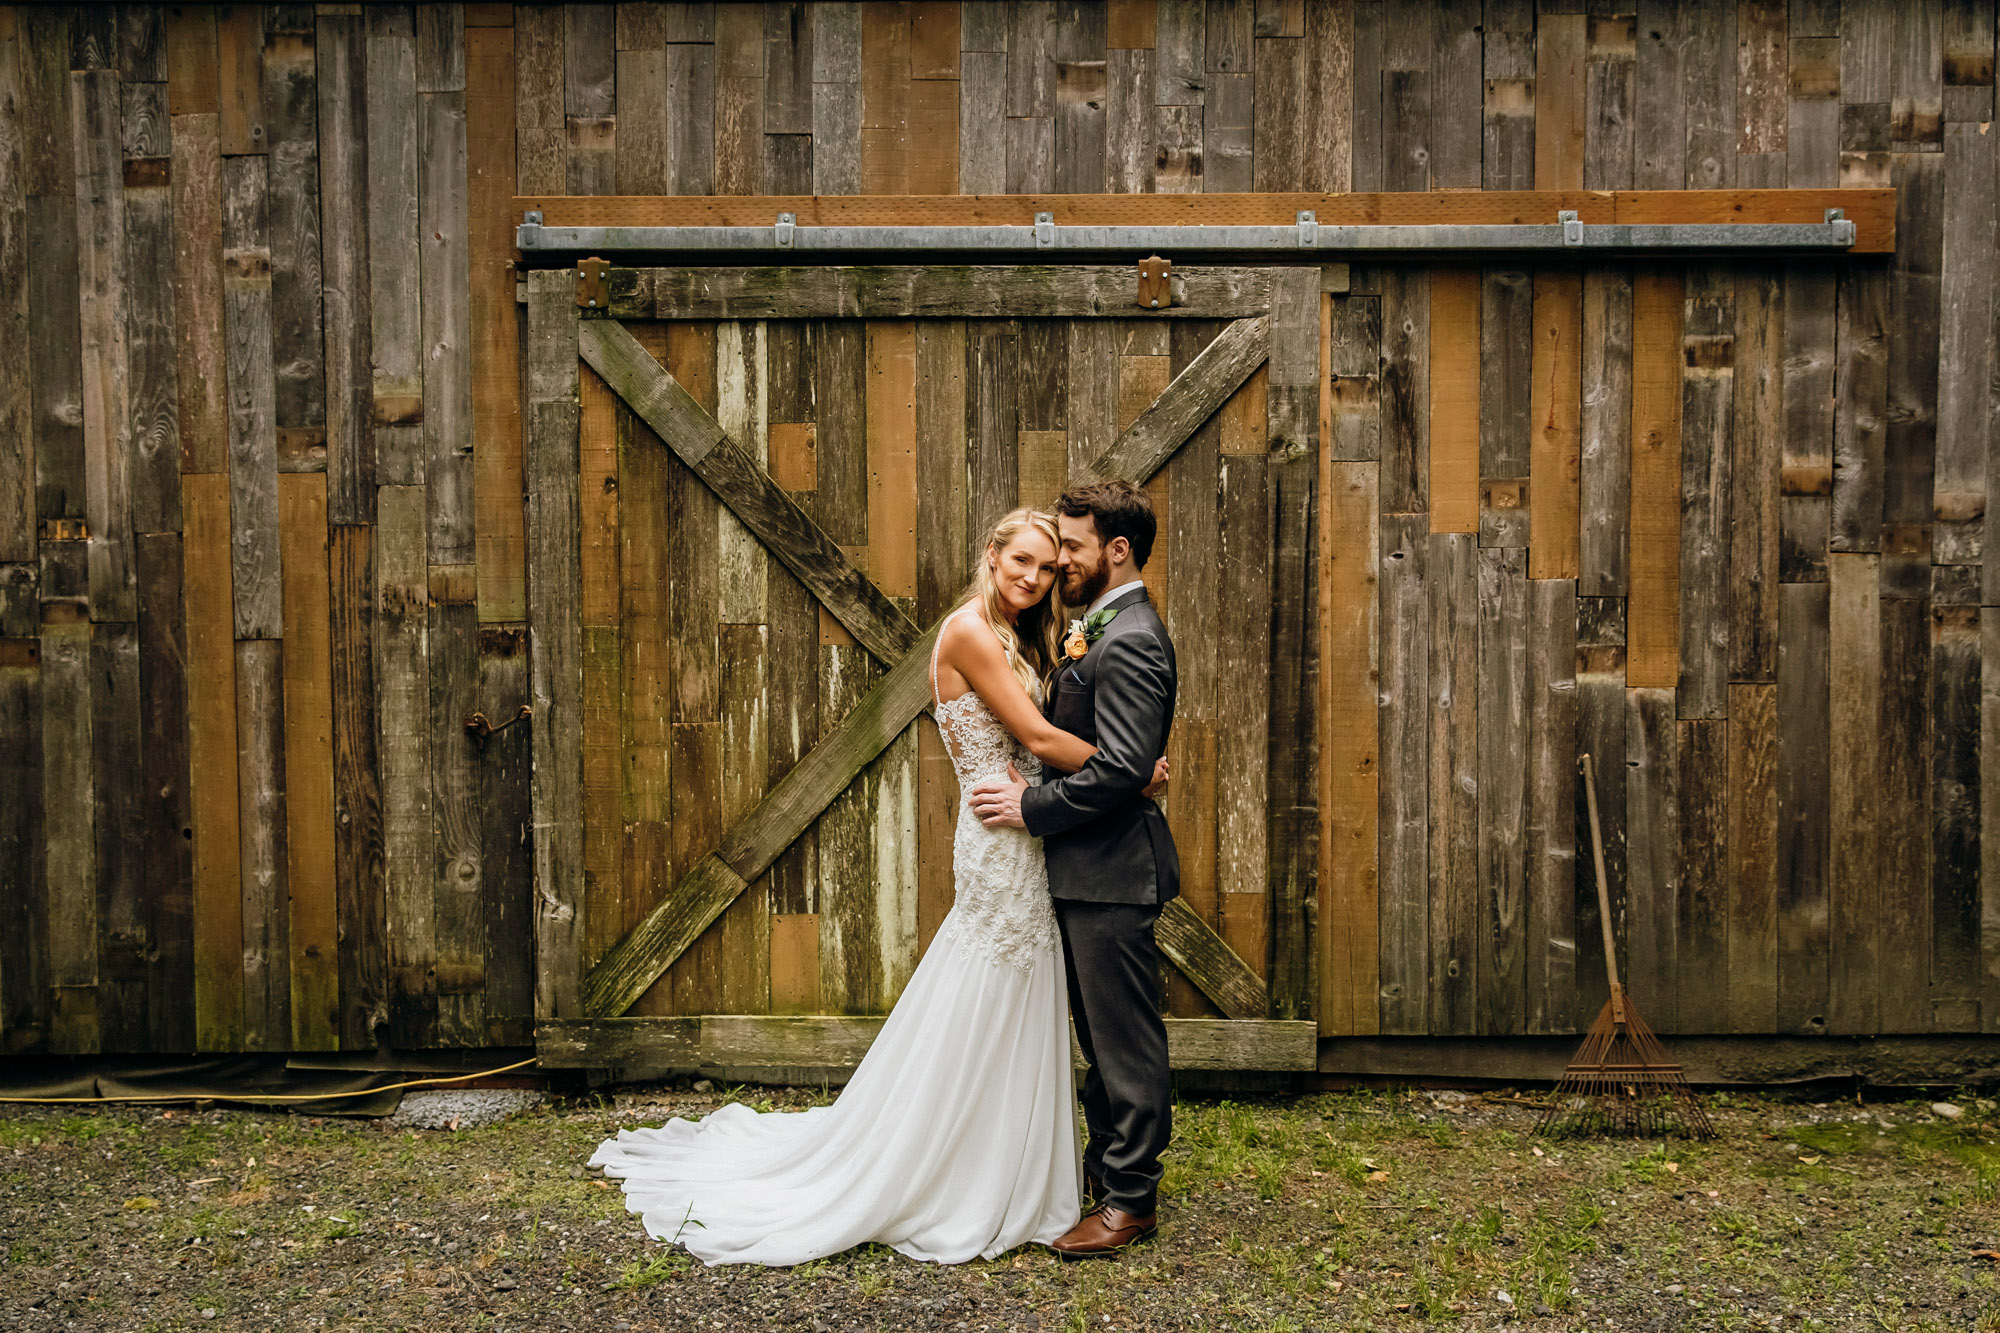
[652,1271]
[84,1127]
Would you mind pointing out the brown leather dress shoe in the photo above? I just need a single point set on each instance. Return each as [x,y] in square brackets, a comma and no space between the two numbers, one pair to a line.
[1103,1232]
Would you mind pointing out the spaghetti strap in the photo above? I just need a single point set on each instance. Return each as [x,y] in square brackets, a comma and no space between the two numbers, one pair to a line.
[937,644]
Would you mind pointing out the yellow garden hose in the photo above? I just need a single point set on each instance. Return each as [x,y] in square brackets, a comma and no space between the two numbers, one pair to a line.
[276,1096]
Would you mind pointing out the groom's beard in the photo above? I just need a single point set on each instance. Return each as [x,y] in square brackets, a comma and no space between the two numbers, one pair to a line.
[1081,588]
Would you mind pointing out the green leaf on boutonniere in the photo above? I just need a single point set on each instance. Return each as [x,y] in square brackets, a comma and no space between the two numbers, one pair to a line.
[1094,623]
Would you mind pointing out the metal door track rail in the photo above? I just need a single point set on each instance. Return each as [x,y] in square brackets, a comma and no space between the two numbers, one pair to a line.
[1568,232]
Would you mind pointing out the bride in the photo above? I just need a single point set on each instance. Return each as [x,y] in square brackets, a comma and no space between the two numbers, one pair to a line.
[956,1137]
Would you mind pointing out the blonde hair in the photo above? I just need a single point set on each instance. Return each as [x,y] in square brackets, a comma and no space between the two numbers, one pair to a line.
[1031,641]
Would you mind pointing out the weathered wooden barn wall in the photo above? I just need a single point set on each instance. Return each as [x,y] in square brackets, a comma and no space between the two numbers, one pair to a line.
[262,526]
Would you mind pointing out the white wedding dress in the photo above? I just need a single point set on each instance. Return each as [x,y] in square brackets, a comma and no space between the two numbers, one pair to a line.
[956,1138]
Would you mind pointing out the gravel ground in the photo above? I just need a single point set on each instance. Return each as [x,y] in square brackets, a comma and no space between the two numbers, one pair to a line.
[1379,1209]
[462,1108]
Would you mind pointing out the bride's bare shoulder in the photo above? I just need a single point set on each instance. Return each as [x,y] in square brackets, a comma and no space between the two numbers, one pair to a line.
[969,633]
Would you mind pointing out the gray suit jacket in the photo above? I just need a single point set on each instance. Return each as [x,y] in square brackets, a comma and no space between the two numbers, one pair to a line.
[1105,842]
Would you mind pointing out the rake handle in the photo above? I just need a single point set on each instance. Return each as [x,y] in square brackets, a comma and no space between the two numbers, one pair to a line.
[1603,890]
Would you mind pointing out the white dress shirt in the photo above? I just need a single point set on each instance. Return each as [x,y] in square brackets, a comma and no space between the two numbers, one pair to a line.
[1108,594]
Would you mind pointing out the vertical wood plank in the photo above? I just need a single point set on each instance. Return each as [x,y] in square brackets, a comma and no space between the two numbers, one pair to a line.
[1349,924]
[68,809]
[1549,841]
[1407,129]
[1508,113]
[1506,341]
[1454,399]
[1605,426]
[395,272]
[342,50]
[1081,123]
[1909,456]
[836,108]
[211,658]
[1659,125]
[645,690]
[1405,898]
[260,795]
[1503,772]
[313,929]
[1455,922]
[1279,100]
[1653,616]
[744,929]
[507,866]
[403,677]
[1854,878]
[1862,415]
[494,354]
[1653,842]
[197,300]
[1755,473]
[291,99]
[1967,335]
[540,137]
[892,456]
[1805,461]
[743,570]
[1561,44]
[166,863]
[253,461]
[120,929]
[1611,59]
[1903,809]
[443,229]
[1708,87]
[1244,705]
[1405,387]
[1956,975]
[554,635]
[1707,421]
[1327,117]
[101,277]
[1752,851]
[152,395]
[1555,445]
[239,42]
[590,105]
[1803,813]
[24,991]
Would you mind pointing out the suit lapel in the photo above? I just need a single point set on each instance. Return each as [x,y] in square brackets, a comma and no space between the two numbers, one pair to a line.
[1118,603]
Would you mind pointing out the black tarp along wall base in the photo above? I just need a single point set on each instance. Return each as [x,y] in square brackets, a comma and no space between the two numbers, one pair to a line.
[265,1082]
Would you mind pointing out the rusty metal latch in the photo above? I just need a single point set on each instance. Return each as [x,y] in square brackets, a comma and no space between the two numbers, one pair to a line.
[592,291]
[1156,287]
[480,728]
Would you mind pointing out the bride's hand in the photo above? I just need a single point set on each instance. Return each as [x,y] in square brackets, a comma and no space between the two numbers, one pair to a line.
[1159,782]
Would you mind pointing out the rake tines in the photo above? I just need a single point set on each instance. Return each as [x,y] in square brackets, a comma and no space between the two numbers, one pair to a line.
[1621,1081]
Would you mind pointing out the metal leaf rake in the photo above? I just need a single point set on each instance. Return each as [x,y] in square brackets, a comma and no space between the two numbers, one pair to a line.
[1621,1080]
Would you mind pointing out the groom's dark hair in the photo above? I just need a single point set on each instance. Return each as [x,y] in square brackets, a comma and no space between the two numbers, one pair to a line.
[1118,509]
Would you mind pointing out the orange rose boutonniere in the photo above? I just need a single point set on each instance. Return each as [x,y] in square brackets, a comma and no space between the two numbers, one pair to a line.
[1084,632]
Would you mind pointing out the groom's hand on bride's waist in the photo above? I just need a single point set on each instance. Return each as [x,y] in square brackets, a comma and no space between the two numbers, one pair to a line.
[997,801]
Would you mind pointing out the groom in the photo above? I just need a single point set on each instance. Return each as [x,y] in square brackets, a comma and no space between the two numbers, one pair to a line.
[1111,860]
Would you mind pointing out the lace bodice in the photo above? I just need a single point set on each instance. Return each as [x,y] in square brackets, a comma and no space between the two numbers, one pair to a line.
[1002,905]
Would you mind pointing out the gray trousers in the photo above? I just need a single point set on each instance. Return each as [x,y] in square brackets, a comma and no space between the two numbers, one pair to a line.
[1113,964]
